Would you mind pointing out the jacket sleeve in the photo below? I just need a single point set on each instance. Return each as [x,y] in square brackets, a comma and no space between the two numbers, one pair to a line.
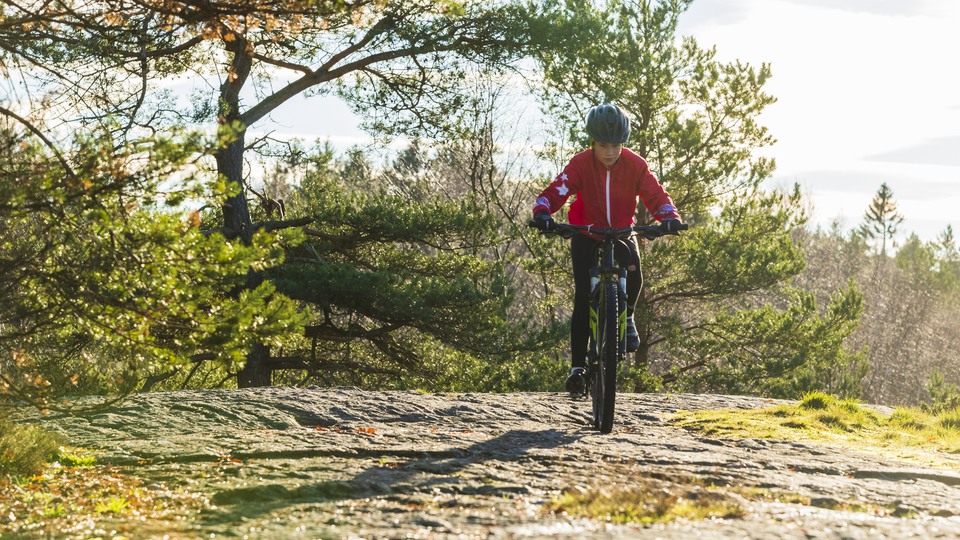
[555,196]
[655,198]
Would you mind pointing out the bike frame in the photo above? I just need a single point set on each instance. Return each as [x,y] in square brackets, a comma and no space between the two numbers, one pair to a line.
[607,271]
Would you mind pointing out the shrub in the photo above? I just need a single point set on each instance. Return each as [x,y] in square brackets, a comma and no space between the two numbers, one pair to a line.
[25,449]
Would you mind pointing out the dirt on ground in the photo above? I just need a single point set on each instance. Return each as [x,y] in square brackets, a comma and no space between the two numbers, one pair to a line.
[280,463]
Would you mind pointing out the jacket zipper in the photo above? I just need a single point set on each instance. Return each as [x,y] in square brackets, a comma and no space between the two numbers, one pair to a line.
[609,220]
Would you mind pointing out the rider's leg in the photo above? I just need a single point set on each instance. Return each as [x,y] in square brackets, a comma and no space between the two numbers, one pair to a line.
[629,252]
[582,255]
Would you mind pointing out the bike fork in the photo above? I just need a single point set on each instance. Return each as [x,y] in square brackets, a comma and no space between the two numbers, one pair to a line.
[592,352]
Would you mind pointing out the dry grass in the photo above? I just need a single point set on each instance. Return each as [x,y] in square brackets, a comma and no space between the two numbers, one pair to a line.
[91,501]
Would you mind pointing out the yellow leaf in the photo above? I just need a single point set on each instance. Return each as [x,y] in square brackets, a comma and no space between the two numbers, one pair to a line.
[114,19]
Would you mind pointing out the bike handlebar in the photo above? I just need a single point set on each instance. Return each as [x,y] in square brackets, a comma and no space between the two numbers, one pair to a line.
[647,231]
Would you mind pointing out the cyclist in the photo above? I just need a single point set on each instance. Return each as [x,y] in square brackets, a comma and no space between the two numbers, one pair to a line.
[606,179]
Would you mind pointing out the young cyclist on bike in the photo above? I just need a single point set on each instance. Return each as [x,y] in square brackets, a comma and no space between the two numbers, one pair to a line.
[607,179]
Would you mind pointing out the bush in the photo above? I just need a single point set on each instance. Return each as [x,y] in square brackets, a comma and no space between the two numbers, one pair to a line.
[25,449]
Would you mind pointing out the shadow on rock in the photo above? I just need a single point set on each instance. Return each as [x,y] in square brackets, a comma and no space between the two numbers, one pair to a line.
[385,475]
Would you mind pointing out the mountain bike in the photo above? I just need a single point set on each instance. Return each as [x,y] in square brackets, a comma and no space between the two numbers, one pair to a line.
[608,313]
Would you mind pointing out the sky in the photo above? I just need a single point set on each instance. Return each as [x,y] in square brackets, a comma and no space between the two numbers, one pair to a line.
[867,92]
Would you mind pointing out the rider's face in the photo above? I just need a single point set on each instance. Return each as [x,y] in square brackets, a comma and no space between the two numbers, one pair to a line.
[607,153]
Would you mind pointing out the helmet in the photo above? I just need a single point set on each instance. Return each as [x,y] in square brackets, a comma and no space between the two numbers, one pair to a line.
[607,123]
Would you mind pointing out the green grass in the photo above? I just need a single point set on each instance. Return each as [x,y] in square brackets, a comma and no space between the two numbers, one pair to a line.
[25,449]
[925,438]
[113,505]
[75,457]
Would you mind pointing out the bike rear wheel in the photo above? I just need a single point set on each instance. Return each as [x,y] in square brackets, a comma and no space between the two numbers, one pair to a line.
[604,387]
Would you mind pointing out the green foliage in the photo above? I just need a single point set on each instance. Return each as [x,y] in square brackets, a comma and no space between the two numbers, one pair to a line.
[402,286]
[747,248]
[780,353]
[406,62]
[105,281]
[816,400]
[943,395]
[112,505]
[25,449]
[637,378]
[934,264]
[75,457]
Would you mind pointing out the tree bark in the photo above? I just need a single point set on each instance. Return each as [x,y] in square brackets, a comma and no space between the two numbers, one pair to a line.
[237,222]
[257,370]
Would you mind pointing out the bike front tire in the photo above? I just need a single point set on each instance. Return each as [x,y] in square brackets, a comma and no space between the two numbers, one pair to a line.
[605,382]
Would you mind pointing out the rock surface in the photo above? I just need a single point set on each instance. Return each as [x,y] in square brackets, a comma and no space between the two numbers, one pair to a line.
[343,463]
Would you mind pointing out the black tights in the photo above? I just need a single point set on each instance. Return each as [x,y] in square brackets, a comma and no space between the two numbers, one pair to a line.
[583,254]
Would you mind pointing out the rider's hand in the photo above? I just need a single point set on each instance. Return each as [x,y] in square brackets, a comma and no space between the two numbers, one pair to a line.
[544,221]
[670,226]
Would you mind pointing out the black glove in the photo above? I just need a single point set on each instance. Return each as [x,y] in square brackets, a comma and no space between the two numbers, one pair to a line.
[670,226]
[544,221]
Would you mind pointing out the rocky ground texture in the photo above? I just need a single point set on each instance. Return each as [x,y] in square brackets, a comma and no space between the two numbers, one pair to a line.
[343,463]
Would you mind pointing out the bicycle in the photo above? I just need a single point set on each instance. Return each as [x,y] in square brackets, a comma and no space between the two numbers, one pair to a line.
[608,313]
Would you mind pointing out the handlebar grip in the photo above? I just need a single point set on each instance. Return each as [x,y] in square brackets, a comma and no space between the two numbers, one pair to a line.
[683,227]
[532,223]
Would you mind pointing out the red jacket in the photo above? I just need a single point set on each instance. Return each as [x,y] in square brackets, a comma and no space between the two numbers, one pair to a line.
[606,198]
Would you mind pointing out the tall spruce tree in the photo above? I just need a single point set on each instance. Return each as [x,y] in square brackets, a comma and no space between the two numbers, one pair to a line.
[881,221]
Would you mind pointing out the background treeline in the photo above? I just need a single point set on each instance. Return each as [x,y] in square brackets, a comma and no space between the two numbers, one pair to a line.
[909,330]
[155,239]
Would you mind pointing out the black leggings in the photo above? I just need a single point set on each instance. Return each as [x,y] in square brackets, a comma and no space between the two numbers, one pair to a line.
[583,254]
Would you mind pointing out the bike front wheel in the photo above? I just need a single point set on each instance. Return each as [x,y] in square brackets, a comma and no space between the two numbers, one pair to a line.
[604,387]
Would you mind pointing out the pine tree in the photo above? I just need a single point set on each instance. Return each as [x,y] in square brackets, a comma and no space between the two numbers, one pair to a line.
[106,60]
[881,221]
[947,260]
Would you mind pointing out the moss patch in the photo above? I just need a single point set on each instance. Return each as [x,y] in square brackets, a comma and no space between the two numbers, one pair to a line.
[644,502]
[910,434]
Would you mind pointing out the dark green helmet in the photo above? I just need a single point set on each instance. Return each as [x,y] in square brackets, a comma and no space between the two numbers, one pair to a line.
[607,123]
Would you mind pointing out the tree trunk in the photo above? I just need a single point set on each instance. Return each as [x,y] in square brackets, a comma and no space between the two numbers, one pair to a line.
[236,211]
[256,372]
[237,223]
